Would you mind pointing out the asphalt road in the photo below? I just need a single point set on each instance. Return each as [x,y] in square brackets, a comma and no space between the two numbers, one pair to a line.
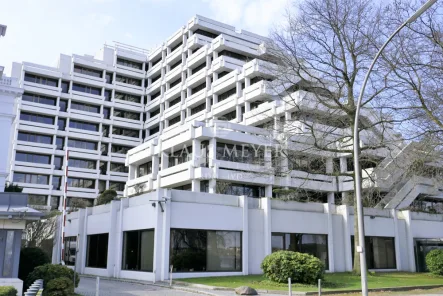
[114,288]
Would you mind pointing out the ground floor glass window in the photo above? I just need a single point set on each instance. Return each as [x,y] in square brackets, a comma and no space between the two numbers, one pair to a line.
[138,250]
[380,252]
[313,244]
[97,250]
[205,250]
[70,250]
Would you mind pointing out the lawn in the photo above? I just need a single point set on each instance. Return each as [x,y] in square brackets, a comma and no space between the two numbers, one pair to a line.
[332,281]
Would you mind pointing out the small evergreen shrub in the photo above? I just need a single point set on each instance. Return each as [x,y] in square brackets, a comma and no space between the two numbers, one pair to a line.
[62,286]
[49,272]
[8,291]
[30,258]
[434,262]
[300,267]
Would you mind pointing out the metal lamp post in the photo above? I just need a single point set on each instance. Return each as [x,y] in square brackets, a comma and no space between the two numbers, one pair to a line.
[357,172]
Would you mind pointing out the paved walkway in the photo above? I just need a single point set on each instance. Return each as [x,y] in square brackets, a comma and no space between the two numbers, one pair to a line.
[118,288]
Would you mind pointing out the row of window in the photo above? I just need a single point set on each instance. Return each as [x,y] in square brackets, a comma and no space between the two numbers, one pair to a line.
[193,250]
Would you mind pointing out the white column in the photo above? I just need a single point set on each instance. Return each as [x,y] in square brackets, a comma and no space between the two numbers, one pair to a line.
[344,211]
[329,208]
[113,243]
[166,232]
[83,236]
[409,240]
[123,204]
[267,231]
[245,234]
[158,264]
[396,239]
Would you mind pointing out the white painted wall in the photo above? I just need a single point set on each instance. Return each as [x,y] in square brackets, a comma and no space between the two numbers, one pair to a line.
[206,211]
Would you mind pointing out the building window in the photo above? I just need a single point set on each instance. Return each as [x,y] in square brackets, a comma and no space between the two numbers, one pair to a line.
[35,138]
[240,189]
[127,97]
[138,250]
[61,124]
[174,102]
[34,199]
[240,153]
[128,80]
[204,186]
[76,201]
[154,113]
[103,167]
[65,87]
[97,250]
[156,95]
[174,120]
[119,167]
[180,156]
[120,149]
[227,94]
[106,112]
[87,89]
[108,95]
[174,83]
[36,118]
[175,65]
[104,149]
[82,163]
[234,55]
[8,261]
[198,88]
[31,178]
[380,252]
[85,107]
[198,68]
[63,105]
[82,144]
[105,130]
[31,157]
[88,71]
[58,162]
[56,183]
[154,79]
[154,130]
[195,250]
[41,80]
[313,244]
[70,250]
[144,169]
[60,143]
[125,132]
[198,108]
[109,77]
[206,33]
[101,186]
[117,186]
[39,99]
[126,114]
[130,64]
[81,183]
[55,201]
[83,125]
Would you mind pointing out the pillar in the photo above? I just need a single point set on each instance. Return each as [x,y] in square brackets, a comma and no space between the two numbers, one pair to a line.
[165,233]
[245,234]
[267,231]
[396,239]
[329,208]
[409,240]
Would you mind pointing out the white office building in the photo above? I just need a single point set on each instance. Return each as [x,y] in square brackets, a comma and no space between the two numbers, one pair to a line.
[182,132]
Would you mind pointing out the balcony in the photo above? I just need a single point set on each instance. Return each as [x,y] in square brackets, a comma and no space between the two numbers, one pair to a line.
[197,78]
[235,44]
[225,106]
[259,68]
[175,55]
[225,63]
[174,73]
[173,92]
[197,98]
[226,82]
[198,40]
[197,57]
[261,90]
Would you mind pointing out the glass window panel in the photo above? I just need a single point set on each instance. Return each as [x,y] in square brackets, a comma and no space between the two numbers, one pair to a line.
[97,250]
[70,250]
[224,251]
[8,261]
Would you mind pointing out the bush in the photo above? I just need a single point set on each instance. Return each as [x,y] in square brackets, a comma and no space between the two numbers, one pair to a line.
[49,272]
[30,258]
[106,197]
[301,268]
[8,291]
[62,286]
[434,262]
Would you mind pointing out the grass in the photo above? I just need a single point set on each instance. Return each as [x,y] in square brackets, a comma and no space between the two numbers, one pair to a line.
[332,281]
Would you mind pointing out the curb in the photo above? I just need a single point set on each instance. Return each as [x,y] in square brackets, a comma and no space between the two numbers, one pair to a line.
[282,292]
[184,289]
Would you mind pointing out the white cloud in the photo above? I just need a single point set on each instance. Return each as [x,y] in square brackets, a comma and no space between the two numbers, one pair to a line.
[257,16]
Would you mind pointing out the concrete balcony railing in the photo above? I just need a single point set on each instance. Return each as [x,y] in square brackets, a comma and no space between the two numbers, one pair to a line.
[8,81]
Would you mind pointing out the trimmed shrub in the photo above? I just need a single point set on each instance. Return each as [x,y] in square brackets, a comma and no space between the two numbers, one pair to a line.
[49,272]
[59,287]
[300,267]
[30,258]
[434,262]
[8,291]
[106,197]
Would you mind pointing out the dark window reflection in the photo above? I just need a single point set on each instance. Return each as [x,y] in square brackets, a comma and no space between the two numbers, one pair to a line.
[205,250]
[97,250]
[138,250]
[380,252]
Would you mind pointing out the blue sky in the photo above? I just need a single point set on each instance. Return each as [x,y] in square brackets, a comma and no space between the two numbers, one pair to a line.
[39,30]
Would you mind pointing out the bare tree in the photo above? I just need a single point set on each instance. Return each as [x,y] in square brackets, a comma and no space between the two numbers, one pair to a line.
[323,51]
[38,231]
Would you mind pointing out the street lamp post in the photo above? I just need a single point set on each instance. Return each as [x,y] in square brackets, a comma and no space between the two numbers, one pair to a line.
[357,172]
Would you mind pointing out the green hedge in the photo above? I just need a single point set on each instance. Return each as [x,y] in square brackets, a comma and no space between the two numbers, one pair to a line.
[30,258]
[49,272]
[8,291]
[59,287]
[434,262]
[300,267]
